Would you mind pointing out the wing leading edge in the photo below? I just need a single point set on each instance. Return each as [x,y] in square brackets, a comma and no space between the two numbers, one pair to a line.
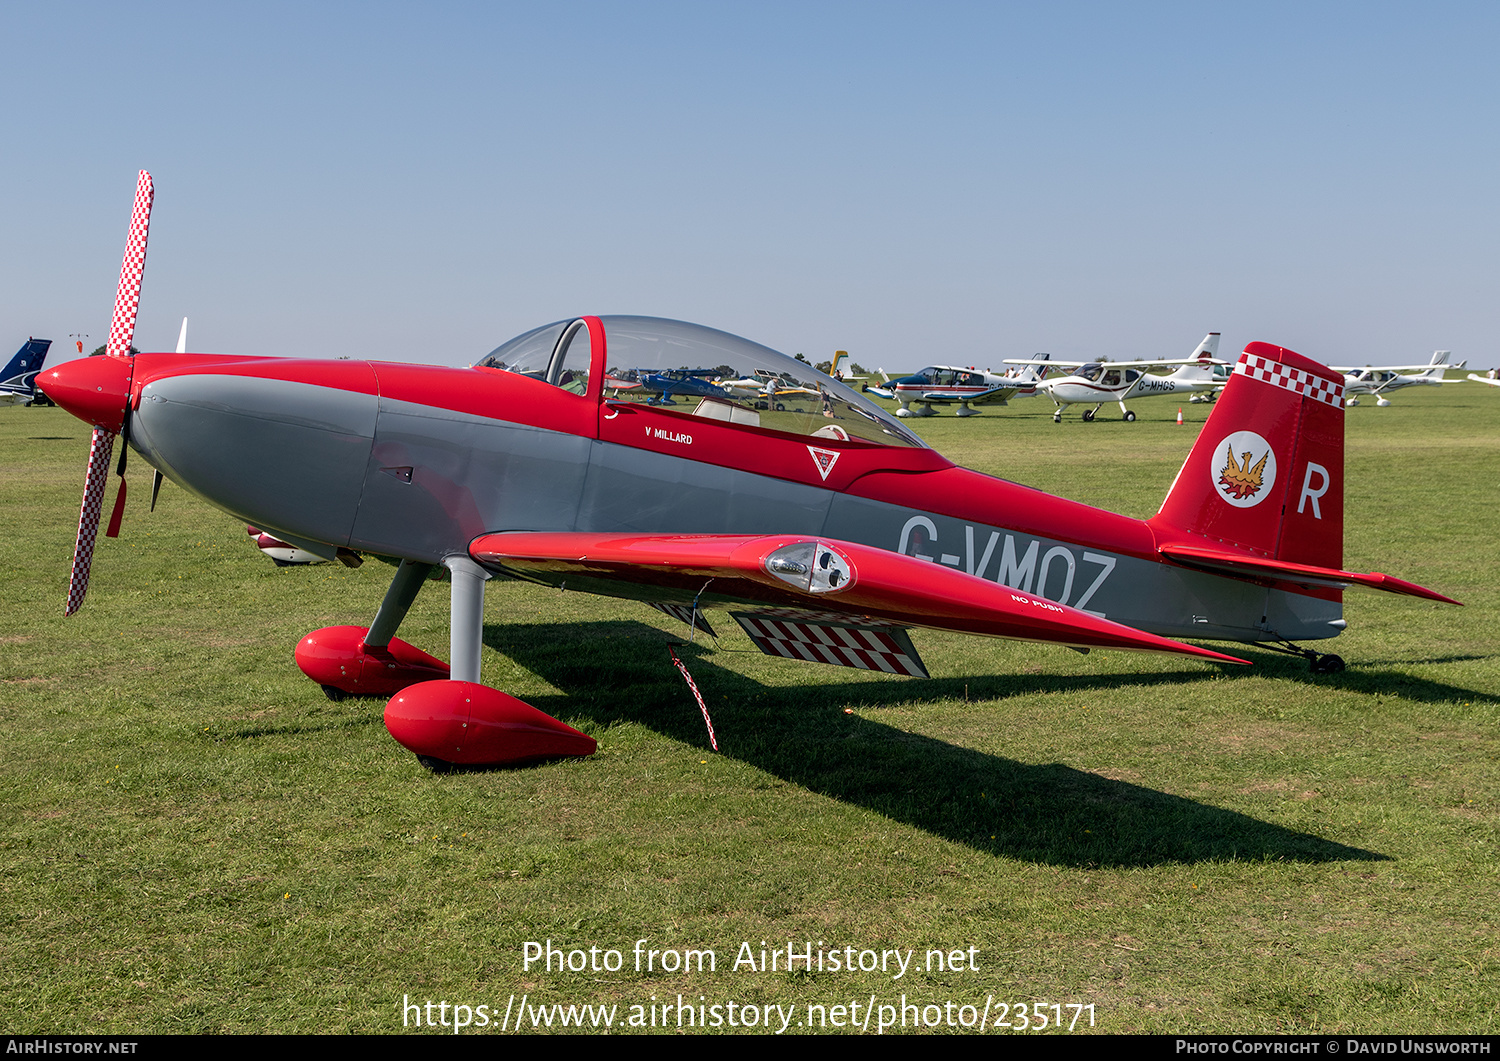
[843,582]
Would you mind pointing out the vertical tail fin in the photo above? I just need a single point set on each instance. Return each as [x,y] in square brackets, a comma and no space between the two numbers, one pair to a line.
[1267,472]
[1203,358]
[1032,374]
[18,377]
[1439,364]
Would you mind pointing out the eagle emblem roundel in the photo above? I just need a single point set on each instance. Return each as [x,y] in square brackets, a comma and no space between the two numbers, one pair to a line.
[1243,469]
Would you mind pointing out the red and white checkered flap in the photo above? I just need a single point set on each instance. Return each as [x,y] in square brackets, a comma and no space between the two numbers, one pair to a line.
[811,636]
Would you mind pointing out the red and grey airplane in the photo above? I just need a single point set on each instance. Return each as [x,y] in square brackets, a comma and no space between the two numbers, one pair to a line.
[827,529]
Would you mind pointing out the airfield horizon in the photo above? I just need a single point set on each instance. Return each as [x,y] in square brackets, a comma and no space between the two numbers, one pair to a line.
[197,841]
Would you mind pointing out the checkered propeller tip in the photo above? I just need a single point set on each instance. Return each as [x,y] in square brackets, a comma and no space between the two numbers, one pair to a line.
[1296,380]
[88,516]
[128,297]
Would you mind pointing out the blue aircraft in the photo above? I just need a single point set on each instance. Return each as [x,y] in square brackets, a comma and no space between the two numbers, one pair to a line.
[687,381]
[18,379]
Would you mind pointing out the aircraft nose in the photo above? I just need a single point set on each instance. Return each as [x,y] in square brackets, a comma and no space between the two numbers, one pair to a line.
[94,389]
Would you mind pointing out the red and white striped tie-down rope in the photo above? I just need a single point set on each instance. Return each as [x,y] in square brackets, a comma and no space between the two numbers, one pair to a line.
[712,740]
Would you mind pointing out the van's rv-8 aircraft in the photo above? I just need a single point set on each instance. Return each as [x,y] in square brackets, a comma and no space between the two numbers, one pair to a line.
[1379,380]
[1097,382]
[967,387]
[828,530]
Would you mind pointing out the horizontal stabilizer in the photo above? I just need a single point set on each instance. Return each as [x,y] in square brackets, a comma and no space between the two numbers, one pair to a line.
[844,580]
[1303,574]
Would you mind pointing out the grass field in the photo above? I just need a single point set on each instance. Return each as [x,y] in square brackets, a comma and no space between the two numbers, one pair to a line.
[195,840]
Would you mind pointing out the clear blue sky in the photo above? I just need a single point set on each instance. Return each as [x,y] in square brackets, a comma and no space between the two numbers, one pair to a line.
[914,183]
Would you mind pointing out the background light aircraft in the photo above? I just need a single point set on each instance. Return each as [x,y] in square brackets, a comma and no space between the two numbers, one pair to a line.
[766,389]
[946,384]
[836,369]
[1381,379]
[18,377]
[281,554]
[689,383]
[1097,382]
[828,532]
[1490,379]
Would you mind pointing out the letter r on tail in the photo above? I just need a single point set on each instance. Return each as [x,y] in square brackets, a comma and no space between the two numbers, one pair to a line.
[1308,493]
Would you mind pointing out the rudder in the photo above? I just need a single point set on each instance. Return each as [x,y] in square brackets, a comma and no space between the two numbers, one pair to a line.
[1267,472]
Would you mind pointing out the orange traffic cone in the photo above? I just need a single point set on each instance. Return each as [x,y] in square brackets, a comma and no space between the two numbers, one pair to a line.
[1179,416]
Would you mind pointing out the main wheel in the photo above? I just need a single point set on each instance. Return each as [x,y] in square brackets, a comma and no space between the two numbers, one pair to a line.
[1129,417]
[1088,416]
[334,693]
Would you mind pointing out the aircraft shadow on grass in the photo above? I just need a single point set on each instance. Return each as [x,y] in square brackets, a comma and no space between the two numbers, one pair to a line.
[619,671]
[1369,678]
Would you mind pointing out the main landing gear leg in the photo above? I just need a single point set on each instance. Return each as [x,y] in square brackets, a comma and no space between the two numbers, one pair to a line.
[398,601]
[462,723]
[354,661]
[466,617]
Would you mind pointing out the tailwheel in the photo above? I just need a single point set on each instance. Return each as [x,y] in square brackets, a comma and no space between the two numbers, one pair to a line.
[1328,664]
[1317,662]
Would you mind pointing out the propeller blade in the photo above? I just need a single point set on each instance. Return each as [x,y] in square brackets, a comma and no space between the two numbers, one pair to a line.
[88,516]
[121,332]
[128,295]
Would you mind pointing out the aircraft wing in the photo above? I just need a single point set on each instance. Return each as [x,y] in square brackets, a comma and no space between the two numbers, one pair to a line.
[1053,364]
[1346,369]
[1477,378]
[841,585]
[1156,363]
[1003,393]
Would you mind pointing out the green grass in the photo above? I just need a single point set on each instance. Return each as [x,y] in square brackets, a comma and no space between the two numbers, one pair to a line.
[195,840]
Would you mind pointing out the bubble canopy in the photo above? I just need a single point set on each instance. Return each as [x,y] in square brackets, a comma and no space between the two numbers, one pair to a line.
[700,371]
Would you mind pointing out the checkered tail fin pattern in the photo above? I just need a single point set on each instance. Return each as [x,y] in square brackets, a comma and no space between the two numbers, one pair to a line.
[1267,473]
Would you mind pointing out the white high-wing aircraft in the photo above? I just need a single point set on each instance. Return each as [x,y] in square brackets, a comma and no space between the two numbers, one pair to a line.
[1379,379]
[1097,382]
